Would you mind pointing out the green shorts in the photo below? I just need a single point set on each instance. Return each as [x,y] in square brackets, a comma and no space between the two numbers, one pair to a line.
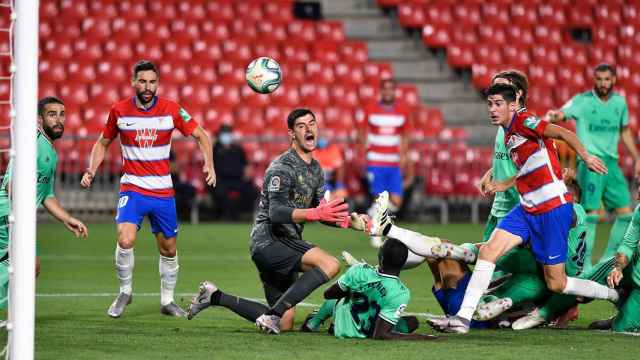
[611,188]
[492,222]
[628,318]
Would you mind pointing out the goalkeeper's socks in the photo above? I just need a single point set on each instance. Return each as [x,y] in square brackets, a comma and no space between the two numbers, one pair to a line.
[416,242]
[616,235]
[248,309]
[300,289]
[478,284]
[124,268]
[168,267]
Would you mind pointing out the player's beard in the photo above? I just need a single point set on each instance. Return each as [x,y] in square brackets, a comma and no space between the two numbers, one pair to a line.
[54,132]
[602,91]
[140,95]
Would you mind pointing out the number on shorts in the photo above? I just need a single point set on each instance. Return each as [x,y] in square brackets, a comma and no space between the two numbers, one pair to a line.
[122,202]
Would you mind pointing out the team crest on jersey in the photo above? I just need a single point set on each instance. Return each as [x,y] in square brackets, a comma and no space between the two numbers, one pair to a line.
[531,122]
[514,141]
[146,137]
[274,184]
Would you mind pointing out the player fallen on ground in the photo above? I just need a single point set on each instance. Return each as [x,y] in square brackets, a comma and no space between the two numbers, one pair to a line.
[545,214]
[145,123]
[368,302]
[292,194]
[51,116]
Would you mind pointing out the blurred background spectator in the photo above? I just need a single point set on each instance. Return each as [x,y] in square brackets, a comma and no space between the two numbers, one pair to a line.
[331,159]
[185,192]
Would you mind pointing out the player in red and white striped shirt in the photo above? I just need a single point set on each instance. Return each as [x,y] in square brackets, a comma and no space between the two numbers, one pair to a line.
[145,124]
[545,214]
[386,136]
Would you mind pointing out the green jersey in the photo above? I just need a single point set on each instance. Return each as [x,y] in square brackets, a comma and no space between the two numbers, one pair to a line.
[577,243]
[598,123]
[371,294]
[502,169]
[46,170]
[629,246]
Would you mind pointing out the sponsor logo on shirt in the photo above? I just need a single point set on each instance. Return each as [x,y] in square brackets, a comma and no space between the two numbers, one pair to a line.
[274,184]
[531,122]
[146,137]
[185,115]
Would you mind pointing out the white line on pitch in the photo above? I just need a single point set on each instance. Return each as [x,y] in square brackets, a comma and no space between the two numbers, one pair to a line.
[189,295]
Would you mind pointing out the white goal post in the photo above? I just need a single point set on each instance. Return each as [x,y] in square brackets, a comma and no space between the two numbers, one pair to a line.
[23,237]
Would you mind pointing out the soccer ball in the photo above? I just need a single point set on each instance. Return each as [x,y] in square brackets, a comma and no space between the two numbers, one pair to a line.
[264,75]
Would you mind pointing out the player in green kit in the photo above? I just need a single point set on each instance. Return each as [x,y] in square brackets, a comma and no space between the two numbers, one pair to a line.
[602,119]
[368,302]
[502,169]
[51,117]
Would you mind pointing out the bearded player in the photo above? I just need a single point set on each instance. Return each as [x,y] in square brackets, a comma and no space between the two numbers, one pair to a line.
[51,116]
[145,123]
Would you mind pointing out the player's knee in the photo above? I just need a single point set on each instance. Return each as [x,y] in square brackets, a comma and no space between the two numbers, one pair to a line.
[126,240]
[168,251]
[556,285]
[330,266]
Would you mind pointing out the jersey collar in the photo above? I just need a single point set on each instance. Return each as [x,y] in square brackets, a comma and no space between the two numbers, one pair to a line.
[154,101]
[41,133]
[593,91]
[386,275]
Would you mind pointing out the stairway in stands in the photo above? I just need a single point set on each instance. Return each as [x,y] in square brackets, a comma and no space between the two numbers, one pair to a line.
[413,63]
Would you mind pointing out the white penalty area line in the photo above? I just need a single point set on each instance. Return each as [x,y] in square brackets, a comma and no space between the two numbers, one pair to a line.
[109,295]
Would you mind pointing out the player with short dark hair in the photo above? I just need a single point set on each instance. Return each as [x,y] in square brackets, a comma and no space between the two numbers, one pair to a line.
[545,214]
[368,302]
[51,116]
[145,123]
[602,119]
[292,194]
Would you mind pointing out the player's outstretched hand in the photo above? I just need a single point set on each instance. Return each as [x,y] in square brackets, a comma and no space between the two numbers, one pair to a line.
[595,164]
[87,178]
[334,211]
[77,227]
[614,278]
[207,169]
[494,187]
[360,222]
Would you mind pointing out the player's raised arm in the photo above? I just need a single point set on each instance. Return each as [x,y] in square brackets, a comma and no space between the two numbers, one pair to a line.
[558,132]
[97,157]
[205,147]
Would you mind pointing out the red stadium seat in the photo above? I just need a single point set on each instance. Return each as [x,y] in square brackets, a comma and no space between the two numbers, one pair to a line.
[580,16]
[495,13]
[249,10]
[354,52]
[44,30]
[45,88]
[408,94]
[464,35]
[326,52]
[300,30]
[213,117]
[344,96]
[236,49]
[161,10]
[96,28]
[545,55]
[53,71]
[206,51]
[132,10]
[155,31]
[374,72]
[516,57]
[438,13]
[231,72]
[174,73]
[347,74]
[149,51]
[75,94]
[48,10]
[319,73]
[243,29]
[542,76]
[605,36]
[58,49]
[481,75]
[74,9]
[225,95]
[80,71]
[196,95]
[552,14]
[561,95]
[192,11]
[488,55]
[572,77]
[110,72]
[314,95]
[213,31]
[202,71]
[85,50]
[459,55]
[551,35]
[467,14]
[436,36]
[123,30]
[367,93]
[492,35]
[286,96]
[523,14]
[411,16]
[296,52]
[275,116]
[184,30]
[104,9]
[248,121]
[599,55]
[103,94]
[608,15]
[272,32]
[179,51]
[280,11]
[517,35]
[218,10]
[252,98]
[331,31]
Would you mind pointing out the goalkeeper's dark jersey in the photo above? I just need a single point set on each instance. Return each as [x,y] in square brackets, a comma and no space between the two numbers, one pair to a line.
[290,182]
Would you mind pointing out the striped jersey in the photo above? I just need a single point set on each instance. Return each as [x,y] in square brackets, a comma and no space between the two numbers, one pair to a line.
[386,125]
[539,178]
[145,140]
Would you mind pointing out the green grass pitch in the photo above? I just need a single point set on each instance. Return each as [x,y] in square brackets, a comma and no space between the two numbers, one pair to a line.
[77,280]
